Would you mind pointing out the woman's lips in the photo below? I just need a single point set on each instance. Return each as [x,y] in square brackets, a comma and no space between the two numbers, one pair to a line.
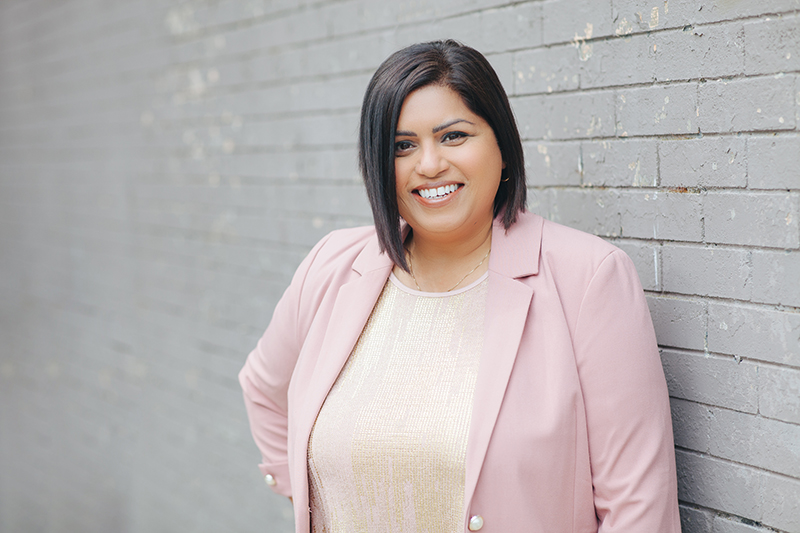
[437,193]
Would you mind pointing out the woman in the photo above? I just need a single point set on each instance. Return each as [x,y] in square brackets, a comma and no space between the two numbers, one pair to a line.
[463,365]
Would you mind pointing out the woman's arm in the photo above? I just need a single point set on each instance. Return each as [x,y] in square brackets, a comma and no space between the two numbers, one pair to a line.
[266,375]
[627,406]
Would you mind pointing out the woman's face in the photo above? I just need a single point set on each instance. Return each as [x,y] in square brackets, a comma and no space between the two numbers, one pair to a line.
[447,166]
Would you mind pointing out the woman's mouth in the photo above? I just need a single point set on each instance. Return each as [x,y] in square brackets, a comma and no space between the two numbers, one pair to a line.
[436,193]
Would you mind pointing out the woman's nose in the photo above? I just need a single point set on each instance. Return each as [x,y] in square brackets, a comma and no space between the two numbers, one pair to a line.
[431,162]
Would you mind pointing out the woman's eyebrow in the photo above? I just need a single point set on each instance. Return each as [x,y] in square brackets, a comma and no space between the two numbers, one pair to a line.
[440,127]
[437,129]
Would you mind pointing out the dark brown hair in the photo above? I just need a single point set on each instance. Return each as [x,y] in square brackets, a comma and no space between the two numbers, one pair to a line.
[463,70]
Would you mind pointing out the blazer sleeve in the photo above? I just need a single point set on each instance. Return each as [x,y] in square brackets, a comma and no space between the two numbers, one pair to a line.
[629,425]
[267,372]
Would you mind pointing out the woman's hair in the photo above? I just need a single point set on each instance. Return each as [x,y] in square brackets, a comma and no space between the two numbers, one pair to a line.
[463,70]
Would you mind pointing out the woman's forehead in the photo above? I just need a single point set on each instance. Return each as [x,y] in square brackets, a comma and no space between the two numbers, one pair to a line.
[434,106]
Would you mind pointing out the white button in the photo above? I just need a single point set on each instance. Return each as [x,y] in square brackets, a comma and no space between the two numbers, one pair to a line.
[270,479]
[476,523]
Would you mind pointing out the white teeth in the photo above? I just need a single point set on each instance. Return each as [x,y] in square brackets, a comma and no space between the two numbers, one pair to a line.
[438,192]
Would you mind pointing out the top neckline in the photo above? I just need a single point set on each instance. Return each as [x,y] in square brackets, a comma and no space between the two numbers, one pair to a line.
[399,284]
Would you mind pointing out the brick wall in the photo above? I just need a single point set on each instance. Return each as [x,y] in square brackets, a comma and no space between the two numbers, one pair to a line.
[164,166]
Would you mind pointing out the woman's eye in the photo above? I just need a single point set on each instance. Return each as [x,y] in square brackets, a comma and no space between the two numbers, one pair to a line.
[402,146]
[453,136]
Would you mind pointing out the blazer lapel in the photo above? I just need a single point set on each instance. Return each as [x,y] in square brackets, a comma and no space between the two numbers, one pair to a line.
[351,311]
[515,255]
[354,303]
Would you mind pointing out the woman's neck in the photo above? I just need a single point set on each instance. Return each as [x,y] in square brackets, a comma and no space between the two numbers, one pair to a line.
[441,265]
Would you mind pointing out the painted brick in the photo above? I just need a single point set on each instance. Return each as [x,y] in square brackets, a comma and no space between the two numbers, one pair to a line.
[679,323]
[773,162]
[552,163]
[187,18]
[766,219]
[546,70]
[299,26]
[739,437]
[503,65]
[779,395]
[489,30]
[699,479]
[658,110]
[343,92]
[511,28]
[565,116]
[697,475]
[797,99]
[754,332]
[659,215]
[772,45]
[634,16]
[699,52]
[466,29]
[775,276]
[756,104]
[288,133]
[645,258]
[338,164]
[704,162]
[723,524]
[644,15]
[319,198]
[349,55]
[347,18]
[629,162]
[625,61]
[695,520]
[590,211]
[707,271]
[390,14]
[712,380]
[566,21]
[782,503]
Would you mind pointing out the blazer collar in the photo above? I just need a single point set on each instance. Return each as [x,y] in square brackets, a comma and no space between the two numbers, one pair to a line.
[371,257]
[515,252]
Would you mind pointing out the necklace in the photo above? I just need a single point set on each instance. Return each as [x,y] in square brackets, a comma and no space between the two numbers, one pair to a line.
[411,271]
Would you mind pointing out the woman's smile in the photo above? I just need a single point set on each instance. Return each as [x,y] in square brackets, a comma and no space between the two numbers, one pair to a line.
[437,193]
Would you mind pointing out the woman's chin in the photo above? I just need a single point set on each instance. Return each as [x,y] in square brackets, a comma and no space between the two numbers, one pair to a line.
[449,227]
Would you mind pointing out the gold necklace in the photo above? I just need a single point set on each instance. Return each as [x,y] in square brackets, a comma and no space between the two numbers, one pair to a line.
[411,271]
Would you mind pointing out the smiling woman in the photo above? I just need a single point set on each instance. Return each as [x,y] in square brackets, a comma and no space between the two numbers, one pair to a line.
[463,365]
[446,178]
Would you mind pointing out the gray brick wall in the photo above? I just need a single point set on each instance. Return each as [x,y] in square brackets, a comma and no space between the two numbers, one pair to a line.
[165,165]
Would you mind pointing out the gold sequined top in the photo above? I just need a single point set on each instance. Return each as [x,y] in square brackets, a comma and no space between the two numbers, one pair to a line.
[387,450]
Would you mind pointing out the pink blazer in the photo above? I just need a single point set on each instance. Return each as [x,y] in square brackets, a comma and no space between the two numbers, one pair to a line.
[571,427]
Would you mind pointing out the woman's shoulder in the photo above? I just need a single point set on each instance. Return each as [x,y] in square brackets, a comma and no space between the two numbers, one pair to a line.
[561,240]
[340,250]
[557,238]
[570,251]
[347,239]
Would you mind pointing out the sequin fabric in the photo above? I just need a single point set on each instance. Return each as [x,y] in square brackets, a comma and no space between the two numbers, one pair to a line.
[387,450]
